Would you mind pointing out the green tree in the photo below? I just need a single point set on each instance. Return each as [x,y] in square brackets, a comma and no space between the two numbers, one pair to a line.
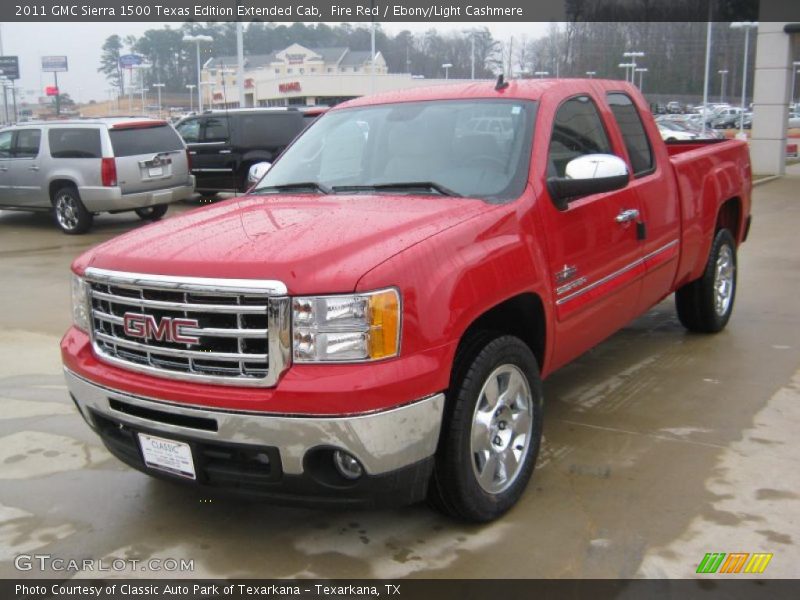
[109,62]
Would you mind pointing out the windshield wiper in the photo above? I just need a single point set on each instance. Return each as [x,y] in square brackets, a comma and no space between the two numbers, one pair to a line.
[292,187]
[403,185]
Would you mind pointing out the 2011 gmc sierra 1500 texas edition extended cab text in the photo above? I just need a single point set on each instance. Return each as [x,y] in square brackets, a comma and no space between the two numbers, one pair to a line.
[371,323]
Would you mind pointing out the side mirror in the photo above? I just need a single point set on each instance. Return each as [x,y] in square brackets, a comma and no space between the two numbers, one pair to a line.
[256,172]
[586,175]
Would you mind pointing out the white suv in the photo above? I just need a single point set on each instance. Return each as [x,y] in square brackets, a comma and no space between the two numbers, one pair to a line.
[78,168]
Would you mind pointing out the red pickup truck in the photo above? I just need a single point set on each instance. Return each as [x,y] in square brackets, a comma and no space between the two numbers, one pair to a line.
[371,323]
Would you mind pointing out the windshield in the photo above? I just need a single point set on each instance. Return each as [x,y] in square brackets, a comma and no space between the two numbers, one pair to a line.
[473,148]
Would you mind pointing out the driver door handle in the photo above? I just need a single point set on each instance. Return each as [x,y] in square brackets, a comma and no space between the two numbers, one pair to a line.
[630,214]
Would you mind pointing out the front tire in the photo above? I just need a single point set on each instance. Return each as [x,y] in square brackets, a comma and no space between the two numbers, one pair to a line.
[71,215]
[705,305]
[492,429]
[152,213]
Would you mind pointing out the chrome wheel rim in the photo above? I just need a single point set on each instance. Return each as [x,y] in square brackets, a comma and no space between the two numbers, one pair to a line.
[67,211]
[501,429]
[723,280]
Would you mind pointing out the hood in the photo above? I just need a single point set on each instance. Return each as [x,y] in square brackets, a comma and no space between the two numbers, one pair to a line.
[313,244]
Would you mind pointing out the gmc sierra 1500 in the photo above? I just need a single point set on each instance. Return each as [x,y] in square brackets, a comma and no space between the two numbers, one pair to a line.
[371,323]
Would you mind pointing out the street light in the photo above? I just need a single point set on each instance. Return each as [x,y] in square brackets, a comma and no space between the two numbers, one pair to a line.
[627,66]
[723,73]
[190,87]
[158,86]
[541,74]
[197,39]
[633,55]
[747,26]
[591,74]
[446,67]
[641,71]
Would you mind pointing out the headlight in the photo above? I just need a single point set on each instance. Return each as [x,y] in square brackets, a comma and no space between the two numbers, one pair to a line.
[80,303]
[347,328]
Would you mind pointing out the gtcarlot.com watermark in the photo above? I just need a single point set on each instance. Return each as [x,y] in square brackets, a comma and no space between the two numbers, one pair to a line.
[48,562]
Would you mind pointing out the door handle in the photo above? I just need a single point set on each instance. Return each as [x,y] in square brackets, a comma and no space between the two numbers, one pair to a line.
[192,152]
[630,214]
[224,151]
[33,168]
[3,169]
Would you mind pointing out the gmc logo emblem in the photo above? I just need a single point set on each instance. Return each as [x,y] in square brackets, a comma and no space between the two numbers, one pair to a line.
[167,330]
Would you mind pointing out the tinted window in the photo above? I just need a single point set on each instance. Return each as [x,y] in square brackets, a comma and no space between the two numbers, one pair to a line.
[74,143]
[27,144]
[578,130]
[412,142]
[630,124]
[144,140]
[190,130]
[216,129]
[5,143]
[269,130]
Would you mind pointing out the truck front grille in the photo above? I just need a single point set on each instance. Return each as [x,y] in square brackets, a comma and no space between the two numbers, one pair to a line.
[226,331]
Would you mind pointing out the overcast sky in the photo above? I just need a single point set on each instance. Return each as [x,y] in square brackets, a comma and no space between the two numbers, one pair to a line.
[81,43]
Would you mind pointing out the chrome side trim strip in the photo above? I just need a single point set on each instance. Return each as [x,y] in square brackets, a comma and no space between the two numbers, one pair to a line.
[617,273]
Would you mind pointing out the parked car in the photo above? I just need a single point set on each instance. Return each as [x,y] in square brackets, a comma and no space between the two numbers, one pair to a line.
[794,121]
[79,168]
[674,107]
[372,323]
[224,144]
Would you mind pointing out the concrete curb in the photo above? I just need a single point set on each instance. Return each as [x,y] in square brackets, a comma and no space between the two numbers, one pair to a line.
[766,179]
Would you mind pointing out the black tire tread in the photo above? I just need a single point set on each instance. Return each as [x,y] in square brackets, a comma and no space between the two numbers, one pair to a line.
[694,301]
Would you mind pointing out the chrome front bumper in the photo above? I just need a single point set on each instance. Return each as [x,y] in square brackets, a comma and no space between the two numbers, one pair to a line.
[384,441]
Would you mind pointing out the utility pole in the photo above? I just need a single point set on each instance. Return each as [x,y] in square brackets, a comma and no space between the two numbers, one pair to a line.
[240,63]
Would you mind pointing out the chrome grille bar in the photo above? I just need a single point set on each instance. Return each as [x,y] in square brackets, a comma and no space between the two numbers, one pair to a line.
[241,337]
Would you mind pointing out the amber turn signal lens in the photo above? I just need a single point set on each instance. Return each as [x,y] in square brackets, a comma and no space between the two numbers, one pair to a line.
[384,324]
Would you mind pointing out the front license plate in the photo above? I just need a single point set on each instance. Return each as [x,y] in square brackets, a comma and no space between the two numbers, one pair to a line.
[167,455]
[155,171]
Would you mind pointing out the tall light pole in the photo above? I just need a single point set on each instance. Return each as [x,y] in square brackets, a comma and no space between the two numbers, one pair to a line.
[197,40]
[446,67]
[723,73]
[190,87]
[240,63]
[641,71]
[633,55]
[747,26]
[591,74]
[158,86]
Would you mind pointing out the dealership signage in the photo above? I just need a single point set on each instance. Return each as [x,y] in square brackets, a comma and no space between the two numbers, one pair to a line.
[9,67]
[54,64]
[285,88]
[51,90]
[128,61]
[295,59]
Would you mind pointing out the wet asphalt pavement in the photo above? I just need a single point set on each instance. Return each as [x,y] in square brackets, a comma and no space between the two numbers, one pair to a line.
[659,446]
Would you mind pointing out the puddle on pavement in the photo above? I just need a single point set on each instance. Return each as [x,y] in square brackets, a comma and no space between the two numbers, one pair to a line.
[21,531]
[29,454]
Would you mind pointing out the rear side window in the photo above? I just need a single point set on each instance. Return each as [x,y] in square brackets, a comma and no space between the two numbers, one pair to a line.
[74,143]
[578,130]
[216,129]
[633,133]
[5,143]
[270,130]
[27,144]
[144,140]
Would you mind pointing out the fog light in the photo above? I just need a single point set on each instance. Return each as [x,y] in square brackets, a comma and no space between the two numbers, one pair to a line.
[347,465]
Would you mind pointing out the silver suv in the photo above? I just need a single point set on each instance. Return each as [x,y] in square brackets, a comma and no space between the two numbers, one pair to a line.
[82,167]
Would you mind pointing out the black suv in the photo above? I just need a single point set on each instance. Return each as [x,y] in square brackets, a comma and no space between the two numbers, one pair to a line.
[224,144]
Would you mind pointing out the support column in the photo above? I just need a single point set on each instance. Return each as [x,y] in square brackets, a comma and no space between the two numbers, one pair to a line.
[771,99]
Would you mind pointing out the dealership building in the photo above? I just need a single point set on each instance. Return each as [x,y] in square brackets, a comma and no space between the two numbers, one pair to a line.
[300,76]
